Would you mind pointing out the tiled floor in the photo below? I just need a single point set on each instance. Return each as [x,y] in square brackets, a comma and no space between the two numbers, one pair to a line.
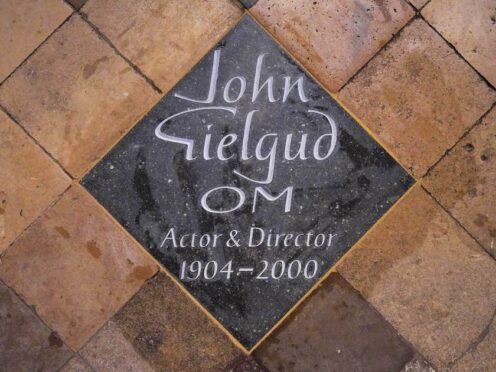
[78,293]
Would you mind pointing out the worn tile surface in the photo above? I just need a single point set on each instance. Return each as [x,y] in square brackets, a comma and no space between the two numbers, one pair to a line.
[247,364]
[418,97]
[29,181]
[426,276]
[482,355]
[75,267]
[464,182]
[76,96]
[76,364]
[418,3]
[471,27]
[338,314]
[333,39]
[164,38]
[24,24]
[26,344]
[160,329]
[169,199]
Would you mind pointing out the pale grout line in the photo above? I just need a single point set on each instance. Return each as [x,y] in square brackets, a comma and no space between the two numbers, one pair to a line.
[35,141]
[36,49]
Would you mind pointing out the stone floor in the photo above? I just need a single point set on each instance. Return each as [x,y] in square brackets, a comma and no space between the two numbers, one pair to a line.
[417,293]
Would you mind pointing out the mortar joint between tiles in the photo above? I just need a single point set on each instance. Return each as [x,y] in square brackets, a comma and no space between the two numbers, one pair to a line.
[488,83]
[459,223]
[24,61]
[462,137]
[103,37]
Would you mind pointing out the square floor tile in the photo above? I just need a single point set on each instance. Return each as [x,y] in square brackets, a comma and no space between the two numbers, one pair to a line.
[335,329]
[471,27]
[213,182]
[29,181]
[333,39]
[24,25]
[76,267]
[418,97]
[426,276]
[464,182]
[76,96]
[76,364]
[418,3]
[26,344]
[164,38]
[160,329]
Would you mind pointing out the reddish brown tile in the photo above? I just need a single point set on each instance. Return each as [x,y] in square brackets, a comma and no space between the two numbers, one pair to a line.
[463,182]
[471,27]
[76,364]
[333,39]
[426,276]
[160,329]
[164,38]
[75,266]
[482,355]
[29,181]
[26,344]
[76,96]
[418,97]
[327,333]
[24,24]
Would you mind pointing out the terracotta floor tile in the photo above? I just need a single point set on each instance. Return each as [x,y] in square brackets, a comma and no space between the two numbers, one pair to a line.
[333,39]
[464,182]
[24,24]
[76,96]
[164,38]
[426,276]
[248,364]
[418,97]
[473,32]
[482,356]
[327,333]
[77,4]
[76,364]
[26,344]
[29,181]
[160,329]
[76,267]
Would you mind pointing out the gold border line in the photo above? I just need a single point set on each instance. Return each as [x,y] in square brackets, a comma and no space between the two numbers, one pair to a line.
[234,340]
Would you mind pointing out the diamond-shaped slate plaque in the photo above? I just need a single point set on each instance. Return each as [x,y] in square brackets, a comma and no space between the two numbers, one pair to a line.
[248,182]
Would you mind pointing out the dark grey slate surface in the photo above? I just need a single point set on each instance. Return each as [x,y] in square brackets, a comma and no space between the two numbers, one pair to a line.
[154,188]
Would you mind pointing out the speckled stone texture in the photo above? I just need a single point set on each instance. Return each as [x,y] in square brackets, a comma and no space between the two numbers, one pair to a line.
[29,181]
[25,24]
[151,186]
[76,96]
[76,364]
[338,314]
[464,182]
[333,39]
[418,97]
[26,344]
[164,38]
[77,269]
[160,329]
[427,277]
[470,25]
